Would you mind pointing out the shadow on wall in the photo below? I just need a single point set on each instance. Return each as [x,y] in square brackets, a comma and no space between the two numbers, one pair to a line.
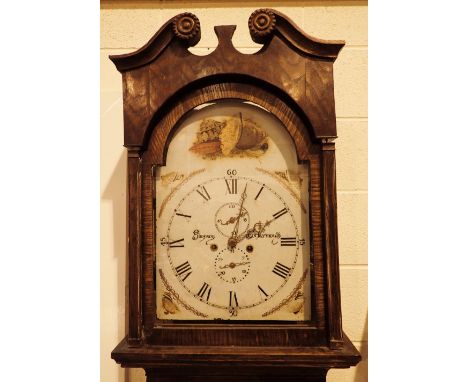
[361,369]
[116,192]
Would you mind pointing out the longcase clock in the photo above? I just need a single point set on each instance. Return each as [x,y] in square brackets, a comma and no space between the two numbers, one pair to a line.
[233,270]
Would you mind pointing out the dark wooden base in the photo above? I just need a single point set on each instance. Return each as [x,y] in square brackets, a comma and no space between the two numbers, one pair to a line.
[235,363]
[236,374]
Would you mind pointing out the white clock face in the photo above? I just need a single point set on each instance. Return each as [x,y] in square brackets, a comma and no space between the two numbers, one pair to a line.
[231,219]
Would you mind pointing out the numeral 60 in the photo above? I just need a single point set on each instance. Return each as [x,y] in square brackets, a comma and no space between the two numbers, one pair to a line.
[232,172]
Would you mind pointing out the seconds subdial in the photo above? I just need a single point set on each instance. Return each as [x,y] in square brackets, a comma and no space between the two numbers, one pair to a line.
[232,265]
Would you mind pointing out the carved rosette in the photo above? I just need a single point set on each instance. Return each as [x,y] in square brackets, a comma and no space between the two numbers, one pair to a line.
[262,22]
[186,26]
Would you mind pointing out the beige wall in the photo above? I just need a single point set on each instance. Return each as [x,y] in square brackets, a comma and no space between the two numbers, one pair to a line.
[126,26]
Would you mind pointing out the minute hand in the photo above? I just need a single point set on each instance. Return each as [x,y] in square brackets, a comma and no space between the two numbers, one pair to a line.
[236,227]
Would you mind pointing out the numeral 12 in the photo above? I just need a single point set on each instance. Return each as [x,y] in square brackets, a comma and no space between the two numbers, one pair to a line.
[231,185]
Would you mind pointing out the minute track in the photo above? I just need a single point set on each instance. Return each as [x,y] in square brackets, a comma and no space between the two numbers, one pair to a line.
[207,291]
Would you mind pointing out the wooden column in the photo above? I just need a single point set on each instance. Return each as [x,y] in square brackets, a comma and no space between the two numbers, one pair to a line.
[134,246]
[329,211]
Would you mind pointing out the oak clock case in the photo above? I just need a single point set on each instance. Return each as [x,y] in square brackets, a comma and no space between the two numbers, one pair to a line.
[233,269]
[231,219]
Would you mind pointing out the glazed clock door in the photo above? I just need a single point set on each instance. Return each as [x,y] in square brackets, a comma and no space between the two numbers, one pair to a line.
[232,219]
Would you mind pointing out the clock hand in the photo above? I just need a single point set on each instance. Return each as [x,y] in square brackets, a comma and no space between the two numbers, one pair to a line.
[232,219]
[233,265]
[233,239]
[243,197]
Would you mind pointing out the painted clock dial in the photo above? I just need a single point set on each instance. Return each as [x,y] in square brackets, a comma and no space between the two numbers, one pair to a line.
[232,219]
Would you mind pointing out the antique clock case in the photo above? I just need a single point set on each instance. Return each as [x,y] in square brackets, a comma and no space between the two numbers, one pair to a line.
[291,78]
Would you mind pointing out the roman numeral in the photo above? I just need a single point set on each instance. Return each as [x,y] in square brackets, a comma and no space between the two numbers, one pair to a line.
[185,216]
[231,185]
[281,270]
[173,244]
[204,289]
[184,268]
[233,299]
[259,192]
[203,193]
[280,213]
[263,292]
[288,241]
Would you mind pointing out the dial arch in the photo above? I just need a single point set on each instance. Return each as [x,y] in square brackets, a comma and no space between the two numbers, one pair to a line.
[164,128]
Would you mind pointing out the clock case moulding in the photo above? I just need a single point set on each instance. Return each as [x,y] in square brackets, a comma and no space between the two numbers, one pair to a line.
[291,76]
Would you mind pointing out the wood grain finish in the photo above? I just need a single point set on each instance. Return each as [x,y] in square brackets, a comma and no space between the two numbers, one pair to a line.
[329,212]
[315,199]
[149,85]
[134,246]
[213,374]
[151,356]
[264,22]
[249,374]
[292,78]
